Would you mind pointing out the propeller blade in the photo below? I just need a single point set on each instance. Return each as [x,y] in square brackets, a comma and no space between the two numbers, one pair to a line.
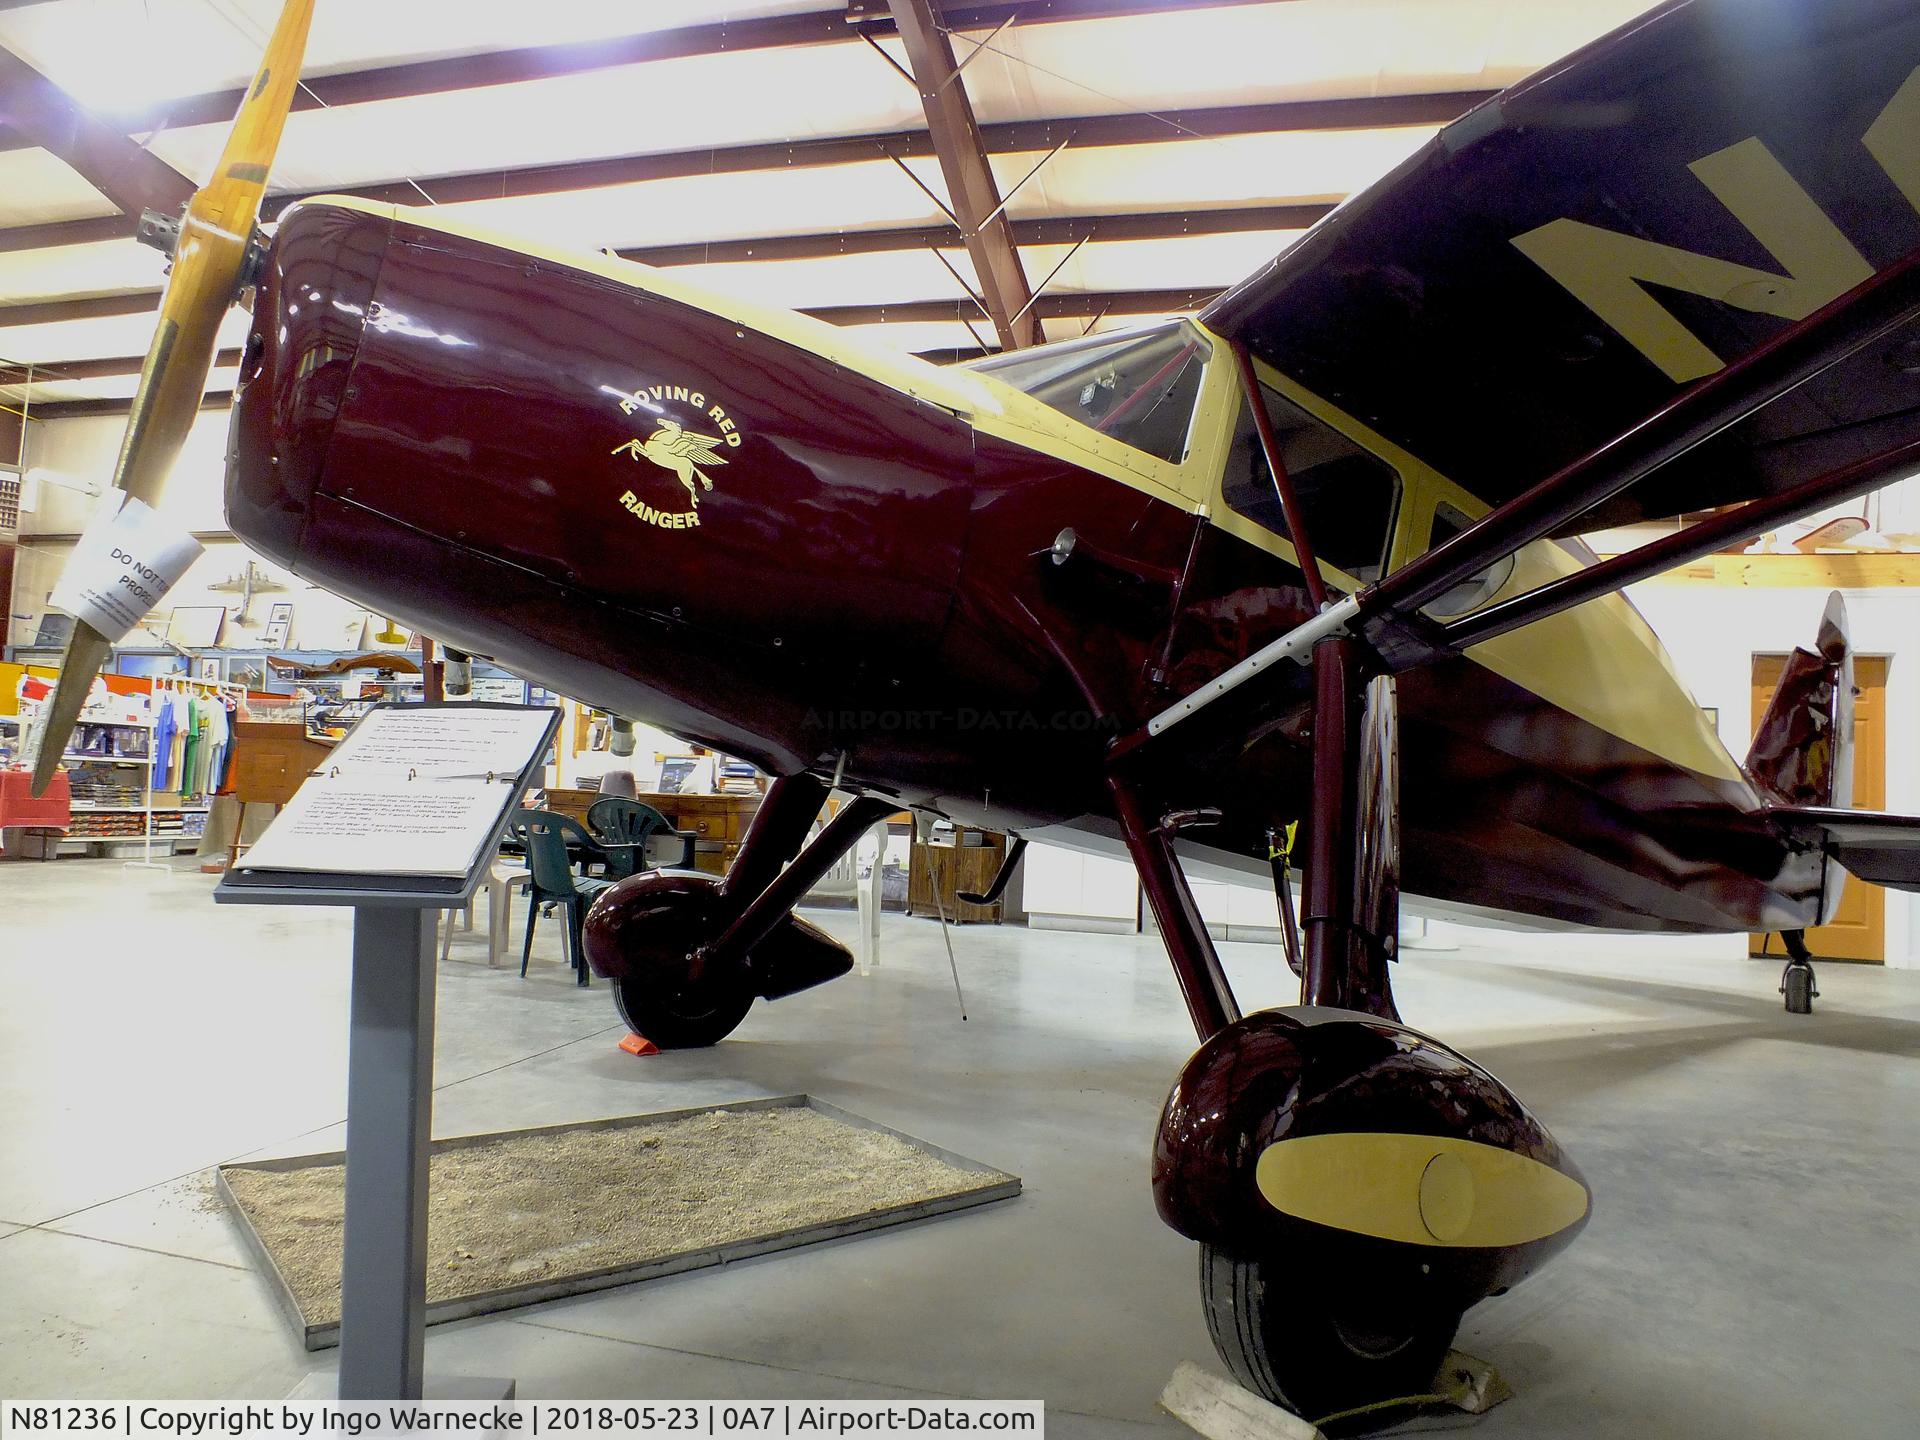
[87,650]
[209,265]
[229,203]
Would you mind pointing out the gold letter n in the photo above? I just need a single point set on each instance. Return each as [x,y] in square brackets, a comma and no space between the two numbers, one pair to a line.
[1606,271]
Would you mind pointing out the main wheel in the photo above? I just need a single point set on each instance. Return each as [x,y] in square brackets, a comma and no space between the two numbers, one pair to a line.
[1320,1342]
[680,1019]
[642,934]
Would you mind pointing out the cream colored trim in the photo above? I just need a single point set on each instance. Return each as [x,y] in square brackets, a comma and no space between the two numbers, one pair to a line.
[994,408]
[1602,662]
[1026,421]
[1224,515]
[1430,1190]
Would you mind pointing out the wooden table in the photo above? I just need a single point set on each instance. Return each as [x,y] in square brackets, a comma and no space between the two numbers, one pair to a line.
[953,868]
[269,763]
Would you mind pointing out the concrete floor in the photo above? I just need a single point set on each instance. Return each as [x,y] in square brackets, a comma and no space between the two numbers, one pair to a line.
[1751,1270]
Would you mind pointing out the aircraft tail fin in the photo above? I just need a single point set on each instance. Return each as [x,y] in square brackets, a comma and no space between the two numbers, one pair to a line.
[1802,754]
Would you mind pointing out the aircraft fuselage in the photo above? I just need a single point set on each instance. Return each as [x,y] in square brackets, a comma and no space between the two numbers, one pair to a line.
[713,522]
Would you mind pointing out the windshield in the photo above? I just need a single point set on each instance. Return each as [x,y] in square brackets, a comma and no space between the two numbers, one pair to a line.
[1140,388]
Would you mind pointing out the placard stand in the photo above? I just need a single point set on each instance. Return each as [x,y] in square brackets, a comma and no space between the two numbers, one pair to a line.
[390,1103]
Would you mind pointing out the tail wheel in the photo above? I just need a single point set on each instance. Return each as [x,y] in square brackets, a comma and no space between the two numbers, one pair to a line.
[1797,985]
[1322,1343]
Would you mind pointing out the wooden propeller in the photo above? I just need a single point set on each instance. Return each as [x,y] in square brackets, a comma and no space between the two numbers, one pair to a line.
[209,271]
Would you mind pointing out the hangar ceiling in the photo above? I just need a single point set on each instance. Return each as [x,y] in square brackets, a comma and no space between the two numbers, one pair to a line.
[1148,153]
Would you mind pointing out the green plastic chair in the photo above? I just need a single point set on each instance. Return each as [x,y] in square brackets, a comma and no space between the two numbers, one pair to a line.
[544,834]
[624,827]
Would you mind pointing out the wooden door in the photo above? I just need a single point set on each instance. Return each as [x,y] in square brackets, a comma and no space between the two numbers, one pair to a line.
[1858,930]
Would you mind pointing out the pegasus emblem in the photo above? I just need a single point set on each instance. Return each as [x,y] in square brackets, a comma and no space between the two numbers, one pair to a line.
[684,452]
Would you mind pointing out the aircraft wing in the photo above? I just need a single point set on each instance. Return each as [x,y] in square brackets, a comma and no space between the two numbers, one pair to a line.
[1881,848]
[1563,259]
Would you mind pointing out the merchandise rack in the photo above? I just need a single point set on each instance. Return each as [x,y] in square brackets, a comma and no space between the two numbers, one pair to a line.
[167,824]
[145,833]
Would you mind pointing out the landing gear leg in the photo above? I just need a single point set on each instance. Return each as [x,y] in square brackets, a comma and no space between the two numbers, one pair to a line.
[1350,896]
[776,899]
[688,953]
[1796,981]
[1354,1186]
[1196,964]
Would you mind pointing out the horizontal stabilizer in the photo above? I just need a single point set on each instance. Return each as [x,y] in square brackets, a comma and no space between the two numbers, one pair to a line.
[1881,848]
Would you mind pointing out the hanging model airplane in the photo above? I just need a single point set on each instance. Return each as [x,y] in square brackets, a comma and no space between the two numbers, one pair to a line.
[1296,559]
[251,581]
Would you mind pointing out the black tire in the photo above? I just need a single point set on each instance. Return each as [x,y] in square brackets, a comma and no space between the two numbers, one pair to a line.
[1797,986]
[1319,1345]
[680,1021]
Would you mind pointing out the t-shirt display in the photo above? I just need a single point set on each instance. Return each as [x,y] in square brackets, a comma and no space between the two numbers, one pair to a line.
[193,732]
[165,724]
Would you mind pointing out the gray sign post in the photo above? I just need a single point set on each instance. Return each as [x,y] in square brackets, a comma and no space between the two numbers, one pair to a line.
[389,1102]
[383,1303]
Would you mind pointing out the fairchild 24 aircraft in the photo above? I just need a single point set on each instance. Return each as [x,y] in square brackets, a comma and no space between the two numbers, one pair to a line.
[1296,560]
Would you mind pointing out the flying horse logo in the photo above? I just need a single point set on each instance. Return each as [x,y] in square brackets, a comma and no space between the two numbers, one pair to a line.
[684,452]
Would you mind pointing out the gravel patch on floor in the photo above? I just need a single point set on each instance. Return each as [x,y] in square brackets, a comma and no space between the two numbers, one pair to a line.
[533,1208]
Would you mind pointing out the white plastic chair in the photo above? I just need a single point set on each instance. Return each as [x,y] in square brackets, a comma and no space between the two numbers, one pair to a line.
[503,878]
[855,876]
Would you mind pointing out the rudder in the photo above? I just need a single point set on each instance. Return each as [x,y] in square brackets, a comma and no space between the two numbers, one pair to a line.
[1802,754]
[1803,751]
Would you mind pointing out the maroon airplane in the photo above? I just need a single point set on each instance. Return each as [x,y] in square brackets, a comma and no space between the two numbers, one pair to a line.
[1299,559]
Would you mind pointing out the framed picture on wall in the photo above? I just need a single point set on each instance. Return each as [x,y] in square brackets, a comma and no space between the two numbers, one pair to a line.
[150,665]
[55,629]
[279,626]
[209,669]
[501,689]
[196,627]
[251,671]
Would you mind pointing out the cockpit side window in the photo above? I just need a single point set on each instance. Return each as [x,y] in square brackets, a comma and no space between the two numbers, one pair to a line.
[1475,591]
[1347,495]
[1141,389]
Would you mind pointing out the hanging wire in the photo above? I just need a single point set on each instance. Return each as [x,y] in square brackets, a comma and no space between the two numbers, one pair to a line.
[940,905]
[246,28]
[25,408]
[1012,59]
[1120,105]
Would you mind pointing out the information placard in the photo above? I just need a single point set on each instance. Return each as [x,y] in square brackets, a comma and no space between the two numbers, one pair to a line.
[413,790]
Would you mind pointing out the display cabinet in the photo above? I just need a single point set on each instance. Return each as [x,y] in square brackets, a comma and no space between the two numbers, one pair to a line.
[954,859]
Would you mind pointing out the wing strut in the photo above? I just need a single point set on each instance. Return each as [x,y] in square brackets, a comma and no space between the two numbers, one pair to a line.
[1796,355]
[1729,527]
[1297,529]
